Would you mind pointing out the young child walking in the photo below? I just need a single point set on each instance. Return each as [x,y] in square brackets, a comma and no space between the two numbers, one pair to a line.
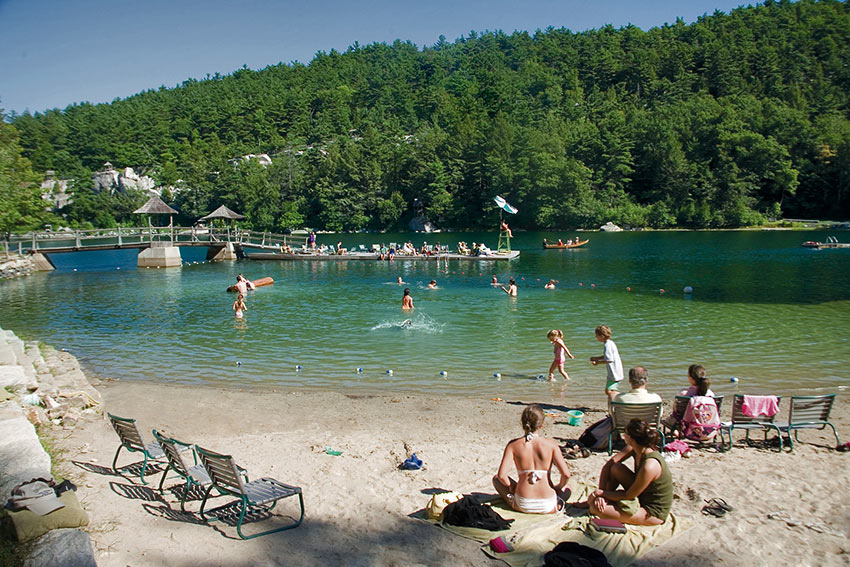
[556,337]
[239,306]
[611,359]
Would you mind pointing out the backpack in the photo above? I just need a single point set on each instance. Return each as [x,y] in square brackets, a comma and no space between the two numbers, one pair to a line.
[596,436]
[701,421]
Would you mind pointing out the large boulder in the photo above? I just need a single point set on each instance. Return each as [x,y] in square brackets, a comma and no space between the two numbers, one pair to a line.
[65,547]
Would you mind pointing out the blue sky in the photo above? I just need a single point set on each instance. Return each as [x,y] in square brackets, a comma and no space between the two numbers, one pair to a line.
[54,53]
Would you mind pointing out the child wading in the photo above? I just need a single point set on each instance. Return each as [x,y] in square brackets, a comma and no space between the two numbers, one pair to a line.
[556,337]
[611,359]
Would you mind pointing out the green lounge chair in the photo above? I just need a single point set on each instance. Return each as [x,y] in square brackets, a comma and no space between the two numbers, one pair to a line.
[177,452]
[228,478]
[808,412]
[747,423]
[622,414]
[131,439]
[680,405]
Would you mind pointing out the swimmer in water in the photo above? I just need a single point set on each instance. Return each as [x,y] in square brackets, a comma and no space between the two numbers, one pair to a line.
[495,280]
[400,281]
[239,306]
[550,285]
[432,284]
[406,323]
[511,289]
[406,300]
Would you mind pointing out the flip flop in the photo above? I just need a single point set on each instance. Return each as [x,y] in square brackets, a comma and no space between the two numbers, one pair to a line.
[715,511]
[719,503]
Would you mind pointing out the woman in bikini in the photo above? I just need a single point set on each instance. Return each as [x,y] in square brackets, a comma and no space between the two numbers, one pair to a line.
[643,496]
[534,492]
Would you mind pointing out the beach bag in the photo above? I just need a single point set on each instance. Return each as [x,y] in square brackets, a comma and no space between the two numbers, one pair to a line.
[574,554]
[701,421]
[596,436]
[438,502]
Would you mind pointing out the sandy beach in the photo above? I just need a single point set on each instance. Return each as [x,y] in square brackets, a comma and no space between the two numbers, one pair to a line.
[358,504]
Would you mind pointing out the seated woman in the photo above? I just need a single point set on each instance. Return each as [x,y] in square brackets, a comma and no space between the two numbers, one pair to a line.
[699,386]
[534,492]
[647,492]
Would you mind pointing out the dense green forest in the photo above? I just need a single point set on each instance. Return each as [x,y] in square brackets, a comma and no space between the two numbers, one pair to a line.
[721,123]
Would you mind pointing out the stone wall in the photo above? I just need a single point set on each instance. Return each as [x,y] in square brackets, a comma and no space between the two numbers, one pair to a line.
[16,266]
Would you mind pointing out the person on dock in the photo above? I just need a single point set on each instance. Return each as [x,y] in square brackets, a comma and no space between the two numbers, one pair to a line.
[611,359]
[311,240]
[534,491]
[556,337]
[511,289]
[506,230]
[406,300]
[239,305]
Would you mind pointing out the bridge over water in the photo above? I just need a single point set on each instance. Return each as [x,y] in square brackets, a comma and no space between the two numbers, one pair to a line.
[159,246]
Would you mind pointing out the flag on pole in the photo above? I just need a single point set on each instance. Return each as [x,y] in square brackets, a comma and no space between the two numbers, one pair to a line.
[505,206]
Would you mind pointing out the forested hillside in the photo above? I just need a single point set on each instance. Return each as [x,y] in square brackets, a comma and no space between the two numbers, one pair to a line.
[720,123]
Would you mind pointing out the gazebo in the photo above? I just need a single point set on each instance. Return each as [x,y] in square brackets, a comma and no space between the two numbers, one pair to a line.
[160,254]
[155,206]
[222,213]
[228,252]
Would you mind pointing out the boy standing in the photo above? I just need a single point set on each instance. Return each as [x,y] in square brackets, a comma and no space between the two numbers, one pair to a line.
[611,358]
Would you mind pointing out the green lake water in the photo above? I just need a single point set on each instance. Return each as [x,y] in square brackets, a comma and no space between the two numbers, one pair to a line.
[763,309]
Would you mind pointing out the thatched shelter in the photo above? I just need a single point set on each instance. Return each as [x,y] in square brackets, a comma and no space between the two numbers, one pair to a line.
[155,206]
[222,213]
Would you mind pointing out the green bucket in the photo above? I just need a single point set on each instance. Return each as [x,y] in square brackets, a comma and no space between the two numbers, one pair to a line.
[574,417]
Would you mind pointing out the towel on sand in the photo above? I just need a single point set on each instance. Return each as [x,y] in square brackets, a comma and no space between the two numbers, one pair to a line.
[532,535]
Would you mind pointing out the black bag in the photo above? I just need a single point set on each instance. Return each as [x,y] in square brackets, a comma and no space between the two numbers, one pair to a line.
[572,554]
[596,436]
[468,512]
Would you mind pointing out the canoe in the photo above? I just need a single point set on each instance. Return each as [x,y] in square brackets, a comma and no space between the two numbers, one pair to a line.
[561,246]
[257,283]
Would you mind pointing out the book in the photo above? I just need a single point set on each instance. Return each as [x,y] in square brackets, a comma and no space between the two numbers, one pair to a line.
[610,526]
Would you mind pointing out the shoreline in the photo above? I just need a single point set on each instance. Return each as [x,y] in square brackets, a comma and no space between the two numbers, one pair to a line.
[358,504]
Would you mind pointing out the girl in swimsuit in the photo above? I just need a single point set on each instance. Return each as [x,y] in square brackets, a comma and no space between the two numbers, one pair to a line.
[534,491]
[406,300]
[557,338]
[239,306]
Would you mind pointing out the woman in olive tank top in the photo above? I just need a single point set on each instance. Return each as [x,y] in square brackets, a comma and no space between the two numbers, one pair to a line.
[643,496]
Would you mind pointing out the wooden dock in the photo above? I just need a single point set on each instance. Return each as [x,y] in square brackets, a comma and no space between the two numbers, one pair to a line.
[371,256]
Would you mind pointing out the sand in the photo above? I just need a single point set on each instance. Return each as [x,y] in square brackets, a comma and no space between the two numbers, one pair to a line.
[359,504]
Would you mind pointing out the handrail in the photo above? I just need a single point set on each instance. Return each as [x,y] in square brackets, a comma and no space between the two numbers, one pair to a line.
[139,237]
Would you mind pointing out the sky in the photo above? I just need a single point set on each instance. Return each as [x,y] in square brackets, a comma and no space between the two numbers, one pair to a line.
[54,53]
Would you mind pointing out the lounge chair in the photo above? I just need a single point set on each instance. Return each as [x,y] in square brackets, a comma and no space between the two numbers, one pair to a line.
[231,479]
[622,414]
[131,439]
[748,423]
[177,452]
[808,412]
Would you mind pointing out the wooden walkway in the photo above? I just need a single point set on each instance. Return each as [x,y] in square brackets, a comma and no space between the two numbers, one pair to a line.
[47,242]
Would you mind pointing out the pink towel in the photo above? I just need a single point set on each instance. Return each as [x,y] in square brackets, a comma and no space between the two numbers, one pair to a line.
[754,406]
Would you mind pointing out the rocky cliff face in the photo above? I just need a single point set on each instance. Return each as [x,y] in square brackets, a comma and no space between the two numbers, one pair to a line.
[112,180]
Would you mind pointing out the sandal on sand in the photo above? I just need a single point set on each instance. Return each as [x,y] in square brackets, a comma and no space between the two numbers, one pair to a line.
[716,507]
[719,503]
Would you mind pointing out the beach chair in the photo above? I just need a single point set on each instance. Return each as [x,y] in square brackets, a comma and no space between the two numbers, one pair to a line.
[177,452]
[622,414]
[808,412]
[747,423]
[131,439]
[680,404]
[228,478]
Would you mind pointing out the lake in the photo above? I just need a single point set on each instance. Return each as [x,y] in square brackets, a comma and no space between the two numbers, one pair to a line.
[764,310]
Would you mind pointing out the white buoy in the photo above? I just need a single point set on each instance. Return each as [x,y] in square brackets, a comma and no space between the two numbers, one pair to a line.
[359,370]
[733,379]
[297,367]
[443,373]
[390,372]
[238,363]
[497,375]
[688,290]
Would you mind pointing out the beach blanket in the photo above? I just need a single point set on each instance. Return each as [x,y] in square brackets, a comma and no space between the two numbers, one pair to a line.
[532,535]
